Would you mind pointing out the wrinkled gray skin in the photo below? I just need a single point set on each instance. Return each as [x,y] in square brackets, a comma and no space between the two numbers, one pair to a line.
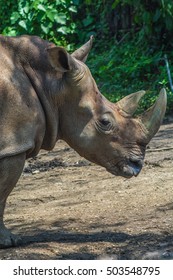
[47,94]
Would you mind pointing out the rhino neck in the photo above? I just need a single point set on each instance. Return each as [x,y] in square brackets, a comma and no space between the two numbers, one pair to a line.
[32,56]
[38,82]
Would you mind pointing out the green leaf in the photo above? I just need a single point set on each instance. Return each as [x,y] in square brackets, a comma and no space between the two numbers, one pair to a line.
[22,23]
[157,15]
[45,28]
[14,17]
[169,23]
[87,21]
[60,18]
[59,2]
[9,31]
[41,8]
[26,8]
[73,9]
[73,26]
[51,14]
[64,30]
[147,17]
[115,4]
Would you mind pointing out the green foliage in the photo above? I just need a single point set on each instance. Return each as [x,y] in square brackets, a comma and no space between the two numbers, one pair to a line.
[128,67]
[153,19]
[65,21]
[48,19]
[6,8]
[131,38]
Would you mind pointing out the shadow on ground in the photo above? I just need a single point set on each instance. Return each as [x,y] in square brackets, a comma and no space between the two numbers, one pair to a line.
[109,244]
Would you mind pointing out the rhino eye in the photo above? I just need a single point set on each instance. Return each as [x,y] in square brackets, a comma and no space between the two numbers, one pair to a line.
[105,122]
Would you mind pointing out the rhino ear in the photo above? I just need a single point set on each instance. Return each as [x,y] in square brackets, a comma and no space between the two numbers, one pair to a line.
[59,59]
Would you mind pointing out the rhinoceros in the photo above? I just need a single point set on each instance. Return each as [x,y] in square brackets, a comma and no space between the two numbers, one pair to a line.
[47,94]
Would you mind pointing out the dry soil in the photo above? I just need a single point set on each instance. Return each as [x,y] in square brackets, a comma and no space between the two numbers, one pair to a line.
[66,208]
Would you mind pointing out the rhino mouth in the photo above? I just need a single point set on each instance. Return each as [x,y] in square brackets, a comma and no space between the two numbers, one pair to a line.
[128,170]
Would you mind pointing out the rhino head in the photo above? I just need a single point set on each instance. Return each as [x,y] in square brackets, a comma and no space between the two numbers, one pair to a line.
[103,132]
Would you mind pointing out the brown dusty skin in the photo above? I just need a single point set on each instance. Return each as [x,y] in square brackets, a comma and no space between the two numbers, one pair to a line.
[66,208]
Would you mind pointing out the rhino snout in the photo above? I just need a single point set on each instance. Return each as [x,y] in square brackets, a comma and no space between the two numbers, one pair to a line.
[128,169]
[133,167]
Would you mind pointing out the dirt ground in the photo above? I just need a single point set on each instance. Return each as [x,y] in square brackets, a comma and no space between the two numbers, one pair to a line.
[66,208]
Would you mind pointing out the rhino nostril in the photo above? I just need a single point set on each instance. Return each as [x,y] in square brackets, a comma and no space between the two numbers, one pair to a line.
[136,162]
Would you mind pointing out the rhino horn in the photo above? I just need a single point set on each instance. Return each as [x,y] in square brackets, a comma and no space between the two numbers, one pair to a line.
[153,117]
[129,103]
[82,53]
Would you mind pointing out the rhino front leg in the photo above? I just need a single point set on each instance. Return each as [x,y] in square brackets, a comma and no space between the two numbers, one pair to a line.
[7,239]
[10,171]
